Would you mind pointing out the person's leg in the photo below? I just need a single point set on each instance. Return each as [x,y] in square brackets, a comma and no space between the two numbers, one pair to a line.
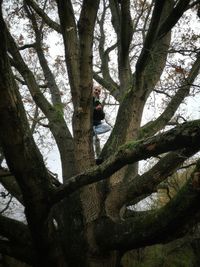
[102,128]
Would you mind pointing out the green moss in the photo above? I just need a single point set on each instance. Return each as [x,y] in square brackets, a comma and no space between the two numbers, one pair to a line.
[174,254]
[127,92]
[148,257]
[144,131]
[59,109]
[130,145]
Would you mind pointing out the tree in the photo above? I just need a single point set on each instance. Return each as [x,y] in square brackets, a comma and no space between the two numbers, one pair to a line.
[86,220]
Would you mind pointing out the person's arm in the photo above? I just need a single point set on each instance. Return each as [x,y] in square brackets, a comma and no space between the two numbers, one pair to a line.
[98,111]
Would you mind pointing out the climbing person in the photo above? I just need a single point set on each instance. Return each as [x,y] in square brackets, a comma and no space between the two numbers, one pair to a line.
[99,127]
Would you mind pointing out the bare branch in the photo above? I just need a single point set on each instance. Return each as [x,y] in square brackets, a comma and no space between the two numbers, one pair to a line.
[154,126]
[7,205]
[52,24]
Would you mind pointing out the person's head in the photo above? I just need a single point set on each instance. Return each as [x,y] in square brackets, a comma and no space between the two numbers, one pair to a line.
[96,91]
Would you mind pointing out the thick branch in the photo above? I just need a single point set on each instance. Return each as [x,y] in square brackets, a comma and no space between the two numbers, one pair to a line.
[82,101]
[14,230]
[19,148]
[126,33]
[25,161]
[8,180]
[70,36]
[173,17]
[10,184]
[116,18]
[50,79]
[185,135]
[86,25]
[57,123]
[132,103]
[21,252]
[126,28]
[164,225]
[148,182]
[144,185]
[107,81]
[150,37]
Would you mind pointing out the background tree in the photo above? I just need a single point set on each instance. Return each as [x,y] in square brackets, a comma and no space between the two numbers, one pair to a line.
[179,252]
[86,220]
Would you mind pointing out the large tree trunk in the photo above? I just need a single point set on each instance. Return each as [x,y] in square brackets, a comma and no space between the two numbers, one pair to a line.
[76,232]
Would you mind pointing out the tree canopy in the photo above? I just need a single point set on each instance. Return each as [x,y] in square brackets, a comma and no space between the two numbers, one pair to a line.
[145,55]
